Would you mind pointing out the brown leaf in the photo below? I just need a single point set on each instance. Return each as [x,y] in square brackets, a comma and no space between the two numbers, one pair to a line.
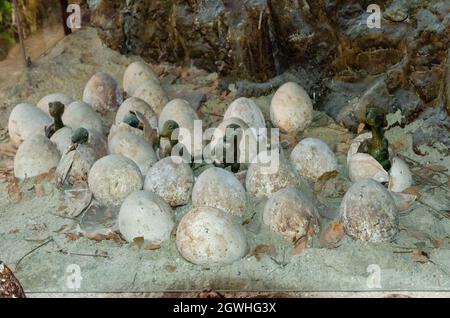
[72,236]
[413,191]
[263,249]
[328,176]
[13,189]
[420,256]
[331,235]
[361,128]
[437,168]
[170,268]
[138,241]
[111,236]
[300,246]
[8,150]
[40,190]
[152,247]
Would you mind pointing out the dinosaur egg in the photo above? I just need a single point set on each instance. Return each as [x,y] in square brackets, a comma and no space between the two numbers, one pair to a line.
[63,99]
[135,148]
[290,213]
[136,104]
[62,139]
[75,165]
[79,114]
[208,236]
[219,188]
[172,179]
[153,94]
[247,110]
[312,158]
[400,177]
[113,178]
[145,214]
[103,93]
[136,74]
[36,155]
[368,212]
[269,174]
[291,109]
[27,120]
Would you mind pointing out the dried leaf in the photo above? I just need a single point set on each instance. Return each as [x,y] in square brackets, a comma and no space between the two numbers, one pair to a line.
[138,241]
[413,191]
[13,189]
[300,246]
[420,256]
[331,235]
[437,168]
[40,190]
[328,176]
[152,247]
[111,236]
[170,268]
[72,236]
[8,150]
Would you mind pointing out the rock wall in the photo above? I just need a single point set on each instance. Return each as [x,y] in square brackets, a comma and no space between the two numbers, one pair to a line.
[326,44]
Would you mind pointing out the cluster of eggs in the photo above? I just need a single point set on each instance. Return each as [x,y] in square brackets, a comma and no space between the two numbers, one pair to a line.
[123,169]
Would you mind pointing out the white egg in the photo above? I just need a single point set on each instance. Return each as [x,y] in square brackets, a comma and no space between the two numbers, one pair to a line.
[79,114]
[36,155]
[62,139]
[219,188]
[172,179]
[153,94]
[312,158]
[291,213]
[271,173]
[25,121]
[368,212]
[291,109]
[136,74]
[363,166]
[136,104]
[247,110]
[75,165]
[208,236]
[400,177]
[113,178]
[103,93]
[145,214]
[135,148]
[64,99]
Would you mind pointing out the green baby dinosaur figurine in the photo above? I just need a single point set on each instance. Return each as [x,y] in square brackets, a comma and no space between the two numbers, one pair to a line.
[379,145]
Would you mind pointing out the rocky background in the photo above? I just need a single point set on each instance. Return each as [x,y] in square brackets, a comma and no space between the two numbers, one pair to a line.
[324,45]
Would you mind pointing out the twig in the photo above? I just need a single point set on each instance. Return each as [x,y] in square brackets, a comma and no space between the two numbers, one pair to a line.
[31,252]
[82,254]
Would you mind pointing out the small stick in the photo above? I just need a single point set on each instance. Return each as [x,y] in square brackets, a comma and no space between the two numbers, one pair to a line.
[31,252]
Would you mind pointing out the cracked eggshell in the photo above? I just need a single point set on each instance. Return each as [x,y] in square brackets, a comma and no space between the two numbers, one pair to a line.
[208,236]
[363,166]
[76,164]
[247,110]
[291,109]
[172,179]
[153,94]
[64,99]
[36,155]
[291,213]
[25,121]
[136,74]
[400,177]
[312,158]
[136,104]
[146,214]
[103,93]
[135,148]
[113,178]
[265,176]
[368,212]
[219,188]
[62,139]
[79,114]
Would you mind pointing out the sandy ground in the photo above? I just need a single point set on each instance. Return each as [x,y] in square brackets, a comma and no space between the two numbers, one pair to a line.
[33,239]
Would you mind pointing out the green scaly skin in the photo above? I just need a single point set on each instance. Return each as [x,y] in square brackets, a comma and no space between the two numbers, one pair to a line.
[132,121]
[379,145]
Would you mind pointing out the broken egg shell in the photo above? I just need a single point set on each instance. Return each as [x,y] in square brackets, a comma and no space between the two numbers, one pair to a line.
[153,94]
[208,236]
[57,97]
[112,178]
[403,201]
[25,121]
[135,148]
[146,214]
[76,164]
[62,139]
[400,177]
[291,109]
[291,213]
[368,212]
[136,74]
[363,166]
[172,179]
[219,188]
[79,114]
[312,158]
[136,104]
[262,181]
[36,155]
[102,93]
